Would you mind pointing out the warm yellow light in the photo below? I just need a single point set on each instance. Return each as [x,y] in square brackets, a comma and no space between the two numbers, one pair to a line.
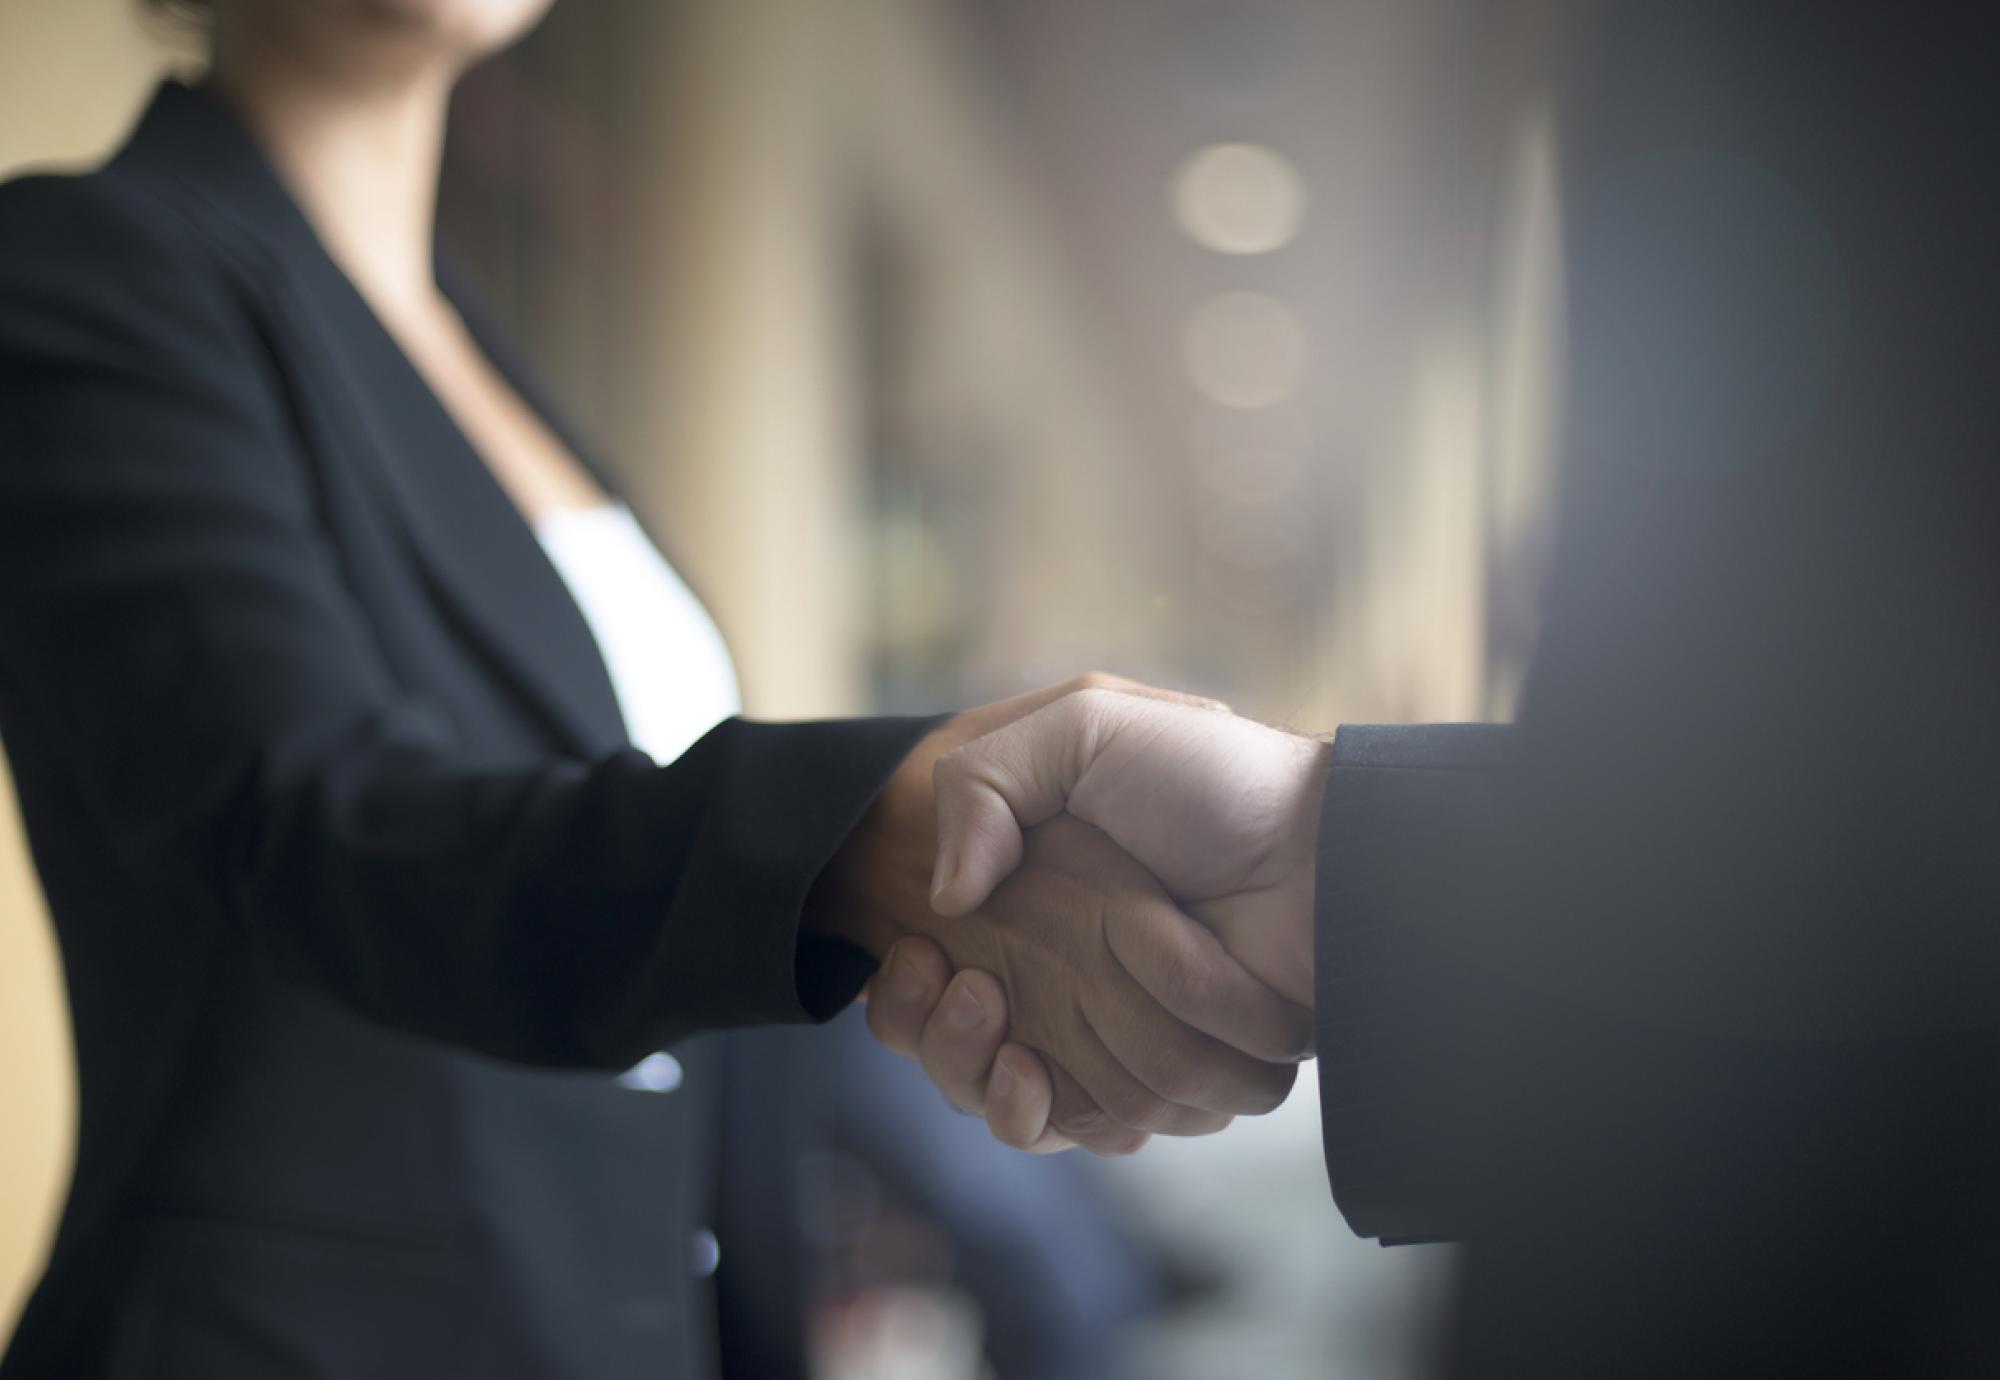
[1239,199]
[1244,350]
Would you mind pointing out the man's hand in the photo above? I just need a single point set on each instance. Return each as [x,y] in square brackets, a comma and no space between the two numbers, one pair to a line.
[1121,1062]
[1223,810]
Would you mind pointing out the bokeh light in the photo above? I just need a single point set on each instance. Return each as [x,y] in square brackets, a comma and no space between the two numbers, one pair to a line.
[1244,349]
[1239,199]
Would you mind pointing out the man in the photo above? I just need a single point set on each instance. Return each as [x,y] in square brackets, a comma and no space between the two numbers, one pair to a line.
[1676,1000]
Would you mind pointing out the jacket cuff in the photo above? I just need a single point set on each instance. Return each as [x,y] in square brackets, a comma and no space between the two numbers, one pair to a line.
[1406,808]
[786,798]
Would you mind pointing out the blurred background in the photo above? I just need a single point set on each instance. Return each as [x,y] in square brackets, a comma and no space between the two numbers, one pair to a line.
[957,347]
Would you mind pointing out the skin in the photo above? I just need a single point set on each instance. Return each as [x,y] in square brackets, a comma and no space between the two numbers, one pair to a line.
[348,99]
[1116,1057]
[1223,811]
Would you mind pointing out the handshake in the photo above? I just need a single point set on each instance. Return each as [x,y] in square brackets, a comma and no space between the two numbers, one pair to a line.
[1094,911]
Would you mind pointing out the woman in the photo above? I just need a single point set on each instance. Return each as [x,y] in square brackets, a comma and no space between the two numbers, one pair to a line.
[323,727]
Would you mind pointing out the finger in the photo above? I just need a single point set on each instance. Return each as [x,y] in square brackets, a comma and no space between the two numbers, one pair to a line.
[991,789]
[1177,1063]
[1017,776]
[1019,1098]
[1121,1096]
[962,1038]
[1154,692]
[1076,1117]
[979,835]
[1020,774]
[1185,968]
[904,992]
[1125,685]
[988,792]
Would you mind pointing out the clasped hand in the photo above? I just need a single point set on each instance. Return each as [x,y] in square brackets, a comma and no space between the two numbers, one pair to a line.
[1116,938]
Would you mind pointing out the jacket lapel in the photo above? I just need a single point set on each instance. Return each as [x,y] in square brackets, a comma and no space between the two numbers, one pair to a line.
[478,556]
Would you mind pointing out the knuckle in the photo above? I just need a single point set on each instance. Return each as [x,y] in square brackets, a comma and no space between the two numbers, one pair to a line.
[1090,701]
[925,960]
[951,767]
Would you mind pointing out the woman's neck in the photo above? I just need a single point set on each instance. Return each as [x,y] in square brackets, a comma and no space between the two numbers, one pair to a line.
[360,157]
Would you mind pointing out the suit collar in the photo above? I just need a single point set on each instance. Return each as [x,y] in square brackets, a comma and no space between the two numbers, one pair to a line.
[188,137]
[479,557]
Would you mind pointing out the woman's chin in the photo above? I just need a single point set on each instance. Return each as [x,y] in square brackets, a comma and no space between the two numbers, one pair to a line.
[471,28]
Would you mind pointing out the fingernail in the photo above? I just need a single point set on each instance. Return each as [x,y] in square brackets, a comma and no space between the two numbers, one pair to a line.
[1003,1078]
[941,875]
[963,1011]
[907,978]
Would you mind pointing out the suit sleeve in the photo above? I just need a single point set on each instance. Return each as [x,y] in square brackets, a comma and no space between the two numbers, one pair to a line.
[1708,934]
[1460,1083]
[1707,926]
[175,625]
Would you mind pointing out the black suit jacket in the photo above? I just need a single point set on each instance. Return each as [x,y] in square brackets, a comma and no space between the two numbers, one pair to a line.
[334,811]
[1676,1000]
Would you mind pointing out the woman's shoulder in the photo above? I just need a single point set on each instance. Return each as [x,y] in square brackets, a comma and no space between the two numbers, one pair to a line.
[72,213]
[102,251]
[117,235]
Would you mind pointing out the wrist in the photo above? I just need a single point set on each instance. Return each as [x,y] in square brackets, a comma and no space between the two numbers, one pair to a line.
[876,888]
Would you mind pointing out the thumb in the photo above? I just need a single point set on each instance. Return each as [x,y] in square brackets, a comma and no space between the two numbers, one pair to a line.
[993,788]
[979,843]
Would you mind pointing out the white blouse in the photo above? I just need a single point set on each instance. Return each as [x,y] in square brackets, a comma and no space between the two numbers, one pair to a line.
[667,660]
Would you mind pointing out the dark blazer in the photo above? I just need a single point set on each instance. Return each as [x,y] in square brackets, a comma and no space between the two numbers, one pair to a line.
[360,892]
[1676,1000]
